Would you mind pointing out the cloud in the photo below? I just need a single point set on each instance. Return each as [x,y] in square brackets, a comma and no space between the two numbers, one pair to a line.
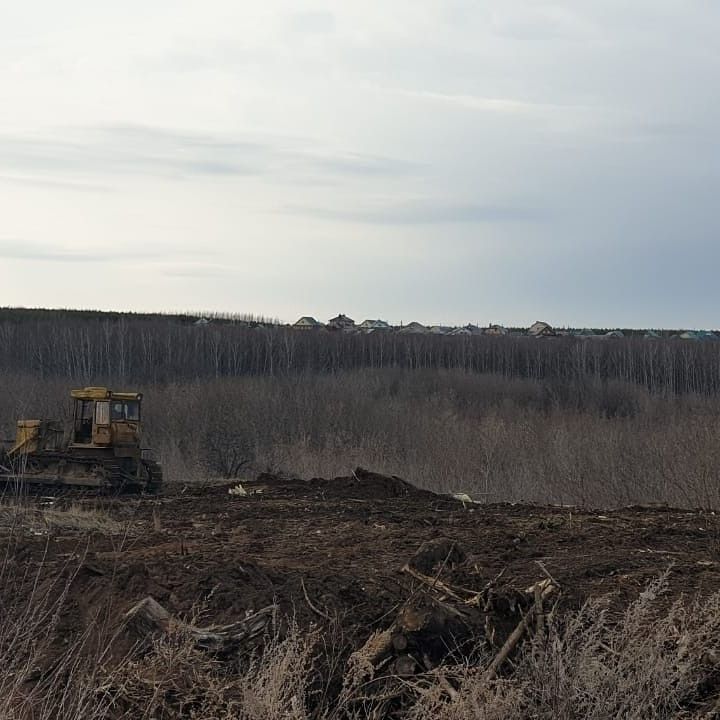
[427,212]
[53,184]
[167,153]
[16,249]
[491,104]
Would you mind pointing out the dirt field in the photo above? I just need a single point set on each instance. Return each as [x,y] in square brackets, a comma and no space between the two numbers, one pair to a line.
[334,551]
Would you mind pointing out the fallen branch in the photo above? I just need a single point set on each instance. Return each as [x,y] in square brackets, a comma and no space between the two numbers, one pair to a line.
[316,610]
[149,618]
[539,591]
[433,583]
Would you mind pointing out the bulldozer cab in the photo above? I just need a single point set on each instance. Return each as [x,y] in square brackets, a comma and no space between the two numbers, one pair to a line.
[104,418]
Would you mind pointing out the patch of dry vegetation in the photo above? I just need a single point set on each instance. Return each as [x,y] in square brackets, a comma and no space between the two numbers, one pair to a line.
[600,444]
[650,662]
[16,514]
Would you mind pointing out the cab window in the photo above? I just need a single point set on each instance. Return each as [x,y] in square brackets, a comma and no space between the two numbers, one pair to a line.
[126,410]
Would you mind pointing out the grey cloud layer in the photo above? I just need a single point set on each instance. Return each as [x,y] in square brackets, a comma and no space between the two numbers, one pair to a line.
[164,152]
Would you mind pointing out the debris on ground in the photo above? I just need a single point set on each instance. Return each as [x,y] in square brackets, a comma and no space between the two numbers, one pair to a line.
[415,581]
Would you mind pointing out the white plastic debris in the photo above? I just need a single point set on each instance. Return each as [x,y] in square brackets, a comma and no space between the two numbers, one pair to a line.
[238,490]
[465,499]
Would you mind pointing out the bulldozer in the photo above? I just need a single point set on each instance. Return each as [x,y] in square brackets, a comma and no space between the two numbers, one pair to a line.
[101,450]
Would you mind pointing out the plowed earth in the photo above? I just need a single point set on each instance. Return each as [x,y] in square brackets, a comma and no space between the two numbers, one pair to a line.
[336,548]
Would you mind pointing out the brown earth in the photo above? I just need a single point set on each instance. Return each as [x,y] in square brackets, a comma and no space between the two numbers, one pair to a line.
[336,549]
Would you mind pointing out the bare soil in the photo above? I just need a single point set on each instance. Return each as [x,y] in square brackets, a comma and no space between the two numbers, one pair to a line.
[323,549]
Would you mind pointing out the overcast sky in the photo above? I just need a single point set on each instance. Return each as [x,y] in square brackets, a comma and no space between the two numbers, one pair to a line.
[446,161]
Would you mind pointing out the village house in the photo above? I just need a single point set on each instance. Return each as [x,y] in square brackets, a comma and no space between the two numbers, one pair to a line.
[369,326]
[495,330]
[341,322]
[414,328]
[307,323]
[541,329]
[699,335]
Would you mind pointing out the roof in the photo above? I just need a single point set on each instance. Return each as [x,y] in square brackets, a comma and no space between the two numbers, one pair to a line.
[344,319]
[102,393]
[307,320]
[374,324]
[539,327]
[413,327]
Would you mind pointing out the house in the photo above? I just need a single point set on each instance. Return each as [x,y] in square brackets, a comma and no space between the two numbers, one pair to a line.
[495,330]
[201,321]
[699,335]
[307,323]
[373,325]
[652,334]
[541,329]
[460,331]
[614,334]
[439,330]
[414,328]
[341,322]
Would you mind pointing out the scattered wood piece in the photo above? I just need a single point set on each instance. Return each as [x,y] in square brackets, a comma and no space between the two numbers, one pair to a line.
[362,662]
[399,642]
[477,597]
[547,574]
[508,647]
[540,591]
[316,610]
[405,666]
[148,619]
[539,612]
[433,583]
[453,694]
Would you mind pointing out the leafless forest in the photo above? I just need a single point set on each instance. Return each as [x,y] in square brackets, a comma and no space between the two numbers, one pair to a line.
[595,422]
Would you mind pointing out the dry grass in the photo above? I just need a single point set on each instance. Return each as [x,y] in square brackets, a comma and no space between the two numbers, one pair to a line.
[16,514]
[653,661]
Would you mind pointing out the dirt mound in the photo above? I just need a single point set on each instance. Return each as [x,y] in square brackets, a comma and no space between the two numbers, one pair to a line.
[366,485]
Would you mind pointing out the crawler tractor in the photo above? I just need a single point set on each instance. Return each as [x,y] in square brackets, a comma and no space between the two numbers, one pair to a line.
[102,449]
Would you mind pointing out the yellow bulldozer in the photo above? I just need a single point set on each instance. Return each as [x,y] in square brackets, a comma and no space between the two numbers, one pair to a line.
[101,450]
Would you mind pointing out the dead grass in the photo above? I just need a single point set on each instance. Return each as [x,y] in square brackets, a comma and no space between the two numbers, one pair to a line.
[38,519]
[652,661]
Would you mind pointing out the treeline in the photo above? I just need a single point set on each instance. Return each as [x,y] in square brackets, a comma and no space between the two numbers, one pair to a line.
[152,349]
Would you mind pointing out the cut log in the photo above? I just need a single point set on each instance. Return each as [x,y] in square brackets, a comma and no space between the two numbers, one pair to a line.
[148,619]
[405,666]
[399,642]
[362,662]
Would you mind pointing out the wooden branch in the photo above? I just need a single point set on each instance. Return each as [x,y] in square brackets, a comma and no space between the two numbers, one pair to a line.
[507,648]
[148,618]
[475,600]
[433,583]
[539,591]
[316,610]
